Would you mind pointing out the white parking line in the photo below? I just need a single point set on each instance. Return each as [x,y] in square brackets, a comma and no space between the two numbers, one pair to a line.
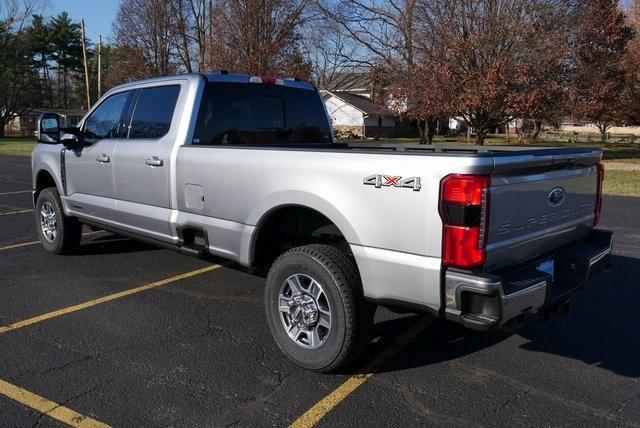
[17,212]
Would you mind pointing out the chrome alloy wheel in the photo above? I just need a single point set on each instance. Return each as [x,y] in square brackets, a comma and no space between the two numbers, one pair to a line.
[48,221]
[304,311]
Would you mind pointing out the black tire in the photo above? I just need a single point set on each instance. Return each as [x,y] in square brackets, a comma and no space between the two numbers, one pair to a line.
[68,230]
[351,315]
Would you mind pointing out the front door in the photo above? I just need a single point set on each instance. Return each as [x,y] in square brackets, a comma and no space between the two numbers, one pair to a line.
[143,163]
[89,170]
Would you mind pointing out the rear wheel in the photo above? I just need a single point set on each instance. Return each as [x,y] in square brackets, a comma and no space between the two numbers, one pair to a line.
[58,233]
[315,308]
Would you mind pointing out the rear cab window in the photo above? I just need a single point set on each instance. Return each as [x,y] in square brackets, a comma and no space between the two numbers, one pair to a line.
[254,114]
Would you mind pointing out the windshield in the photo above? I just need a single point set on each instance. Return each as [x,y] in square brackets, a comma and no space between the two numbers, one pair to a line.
[240,113]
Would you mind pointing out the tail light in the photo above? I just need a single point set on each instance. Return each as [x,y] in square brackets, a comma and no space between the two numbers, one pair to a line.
[598,208]
[463,199]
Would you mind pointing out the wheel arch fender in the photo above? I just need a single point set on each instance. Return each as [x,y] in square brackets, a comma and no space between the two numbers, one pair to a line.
[43,178]
[287,199]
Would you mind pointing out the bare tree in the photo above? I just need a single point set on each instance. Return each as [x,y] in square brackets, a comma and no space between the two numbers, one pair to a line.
[544,92]
[193,30]
[259,36]
[16,14]
[495,54]
[598,86]
[391,30]
[158,37]
[330,52]
[631,63]
[144,39]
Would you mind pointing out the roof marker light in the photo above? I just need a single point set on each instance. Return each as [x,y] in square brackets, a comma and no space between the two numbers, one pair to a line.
[266,80]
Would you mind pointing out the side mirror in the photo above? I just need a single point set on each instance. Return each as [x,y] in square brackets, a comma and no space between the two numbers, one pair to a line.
[48,128]
[72,139]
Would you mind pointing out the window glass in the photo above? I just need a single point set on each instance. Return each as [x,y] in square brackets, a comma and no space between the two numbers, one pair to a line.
[154,111]
[50,124]
[238,113]
[108,119]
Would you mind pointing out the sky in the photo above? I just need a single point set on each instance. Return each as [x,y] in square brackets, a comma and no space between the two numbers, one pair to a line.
[98,15]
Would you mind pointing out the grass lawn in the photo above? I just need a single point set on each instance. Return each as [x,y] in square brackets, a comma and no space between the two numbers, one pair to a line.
[632,161]
[16,146]
[622,183]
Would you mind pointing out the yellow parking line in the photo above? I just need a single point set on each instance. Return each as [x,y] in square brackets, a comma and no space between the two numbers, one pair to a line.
[47,407]
[104,299]
[25,244]
[312,416]
[17,212]
[15,193]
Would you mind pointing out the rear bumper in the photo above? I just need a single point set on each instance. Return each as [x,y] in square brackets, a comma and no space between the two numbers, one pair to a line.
[485,301]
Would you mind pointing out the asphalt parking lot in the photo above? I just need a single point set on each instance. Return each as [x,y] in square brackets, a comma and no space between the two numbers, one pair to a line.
[82,342]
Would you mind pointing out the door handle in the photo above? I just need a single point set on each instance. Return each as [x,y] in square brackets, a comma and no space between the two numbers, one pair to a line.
[103,158]
[154,161]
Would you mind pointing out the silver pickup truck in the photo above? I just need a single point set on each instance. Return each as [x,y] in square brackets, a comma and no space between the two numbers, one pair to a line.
[246,168]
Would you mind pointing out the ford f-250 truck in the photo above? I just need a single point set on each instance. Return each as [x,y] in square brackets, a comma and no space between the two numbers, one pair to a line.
[246,168]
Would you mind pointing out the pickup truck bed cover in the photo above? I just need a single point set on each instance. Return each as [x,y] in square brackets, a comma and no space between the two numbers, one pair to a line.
[419,149]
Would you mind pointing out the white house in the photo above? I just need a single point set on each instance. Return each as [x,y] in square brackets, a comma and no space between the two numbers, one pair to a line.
[354,114]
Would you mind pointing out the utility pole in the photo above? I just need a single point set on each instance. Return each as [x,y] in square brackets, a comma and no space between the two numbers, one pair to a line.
[99,66]
[86,68]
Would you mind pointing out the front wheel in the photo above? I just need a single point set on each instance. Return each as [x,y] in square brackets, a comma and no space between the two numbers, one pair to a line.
[58,233]
[315,307]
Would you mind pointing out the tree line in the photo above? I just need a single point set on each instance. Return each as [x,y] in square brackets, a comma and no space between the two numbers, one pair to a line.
[485,62]
[41,62]
[490,61]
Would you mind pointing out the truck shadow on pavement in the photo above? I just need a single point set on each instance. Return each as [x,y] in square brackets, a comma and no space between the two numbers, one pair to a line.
[602,329]
[113,244]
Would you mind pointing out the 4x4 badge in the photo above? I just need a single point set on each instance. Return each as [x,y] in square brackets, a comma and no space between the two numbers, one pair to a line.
[381,180]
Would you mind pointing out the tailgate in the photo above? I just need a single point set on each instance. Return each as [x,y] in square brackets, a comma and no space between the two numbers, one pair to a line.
[535,211]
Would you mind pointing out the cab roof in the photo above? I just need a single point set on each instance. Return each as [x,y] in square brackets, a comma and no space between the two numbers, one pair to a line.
[215,76]
[223,76]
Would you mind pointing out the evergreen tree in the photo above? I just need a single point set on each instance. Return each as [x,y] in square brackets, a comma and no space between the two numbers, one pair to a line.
[18,82]
[42,51]
[67,52]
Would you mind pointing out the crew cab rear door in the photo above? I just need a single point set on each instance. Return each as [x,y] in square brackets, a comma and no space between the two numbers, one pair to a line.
[142,173]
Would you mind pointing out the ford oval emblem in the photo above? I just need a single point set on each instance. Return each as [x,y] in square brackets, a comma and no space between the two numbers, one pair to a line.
[556,196]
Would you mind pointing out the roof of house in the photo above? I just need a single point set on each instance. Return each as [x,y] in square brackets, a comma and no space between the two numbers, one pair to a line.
[362,103]
[349,82]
